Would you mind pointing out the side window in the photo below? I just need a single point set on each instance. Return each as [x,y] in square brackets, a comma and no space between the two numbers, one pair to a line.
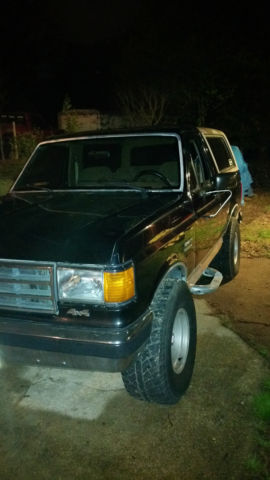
[221,152]
[197,160]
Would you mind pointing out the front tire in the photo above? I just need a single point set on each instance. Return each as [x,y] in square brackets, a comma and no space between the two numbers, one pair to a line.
[163,369]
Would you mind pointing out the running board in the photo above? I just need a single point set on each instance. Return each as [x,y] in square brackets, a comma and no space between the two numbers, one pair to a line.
[216,277]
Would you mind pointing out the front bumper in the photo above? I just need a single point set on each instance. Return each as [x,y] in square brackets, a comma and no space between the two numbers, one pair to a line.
[26,342]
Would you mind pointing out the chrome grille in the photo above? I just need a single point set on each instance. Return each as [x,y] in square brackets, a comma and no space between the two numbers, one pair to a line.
[27,286]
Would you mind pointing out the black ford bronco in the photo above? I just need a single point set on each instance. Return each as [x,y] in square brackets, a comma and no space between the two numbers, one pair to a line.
[104,239]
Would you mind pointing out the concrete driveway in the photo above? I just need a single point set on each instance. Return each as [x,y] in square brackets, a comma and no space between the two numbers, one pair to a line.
[58,424]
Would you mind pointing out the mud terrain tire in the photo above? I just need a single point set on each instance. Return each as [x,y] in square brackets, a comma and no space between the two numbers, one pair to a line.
[163,369]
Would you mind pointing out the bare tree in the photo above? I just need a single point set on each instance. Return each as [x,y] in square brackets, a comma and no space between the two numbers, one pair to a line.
[142,105]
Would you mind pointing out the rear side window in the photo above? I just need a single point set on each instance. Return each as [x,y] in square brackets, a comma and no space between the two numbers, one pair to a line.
[221,152]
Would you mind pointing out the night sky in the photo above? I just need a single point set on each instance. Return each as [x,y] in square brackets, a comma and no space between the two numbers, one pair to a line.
[91,50]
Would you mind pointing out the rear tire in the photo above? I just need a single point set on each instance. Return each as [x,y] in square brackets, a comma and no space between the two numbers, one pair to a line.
[227,260]
[163,369]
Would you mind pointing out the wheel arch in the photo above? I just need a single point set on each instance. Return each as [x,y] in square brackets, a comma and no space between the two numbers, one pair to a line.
[235,213]
[177,271]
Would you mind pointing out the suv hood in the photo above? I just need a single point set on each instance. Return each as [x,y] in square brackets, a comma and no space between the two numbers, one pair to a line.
[72,227]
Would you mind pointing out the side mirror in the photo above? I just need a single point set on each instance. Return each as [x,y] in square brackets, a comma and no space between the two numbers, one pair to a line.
[227,181]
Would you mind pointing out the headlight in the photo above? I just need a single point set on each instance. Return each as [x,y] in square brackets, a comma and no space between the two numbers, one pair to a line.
[95,285]
[81,285]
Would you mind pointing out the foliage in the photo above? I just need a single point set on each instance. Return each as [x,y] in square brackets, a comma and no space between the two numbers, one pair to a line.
[71,122]
[8,173]
[3,92]
[5,184]
[23,145]
[67,106]
[21,149]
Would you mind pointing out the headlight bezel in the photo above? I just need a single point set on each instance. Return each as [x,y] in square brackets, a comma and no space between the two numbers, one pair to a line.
[66,280]
[71,278]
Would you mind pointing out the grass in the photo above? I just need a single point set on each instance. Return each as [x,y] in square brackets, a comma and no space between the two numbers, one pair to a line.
[258,465]
[255,467]
[255,228]
[261,403]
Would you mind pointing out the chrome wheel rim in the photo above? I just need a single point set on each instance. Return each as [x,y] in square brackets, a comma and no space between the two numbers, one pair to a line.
[180,341]
[235,249]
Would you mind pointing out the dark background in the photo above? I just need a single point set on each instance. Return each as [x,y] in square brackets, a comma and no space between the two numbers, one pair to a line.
[211,63]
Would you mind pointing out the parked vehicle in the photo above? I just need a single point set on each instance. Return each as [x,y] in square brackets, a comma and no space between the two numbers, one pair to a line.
[105,237]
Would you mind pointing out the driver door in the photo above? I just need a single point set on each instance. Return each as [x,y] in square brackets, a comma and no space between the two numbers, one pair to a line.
[207,202]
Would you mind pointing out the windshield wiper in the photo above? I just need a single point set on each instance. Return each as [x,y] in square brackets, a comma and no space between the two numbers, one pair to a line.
[108,186]
[127,186]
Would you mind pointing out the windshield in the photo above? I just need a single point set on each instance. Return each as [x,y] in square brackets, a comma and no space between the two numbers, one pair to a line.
[146,161]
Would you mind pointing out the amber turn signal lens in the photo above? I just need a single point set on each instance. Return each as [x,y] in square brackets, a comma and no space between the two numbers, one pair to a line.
[119,286]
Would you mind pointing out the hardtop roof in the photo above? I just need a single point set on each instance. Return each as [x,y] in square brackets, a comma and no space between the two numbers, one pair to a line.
[132,131]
